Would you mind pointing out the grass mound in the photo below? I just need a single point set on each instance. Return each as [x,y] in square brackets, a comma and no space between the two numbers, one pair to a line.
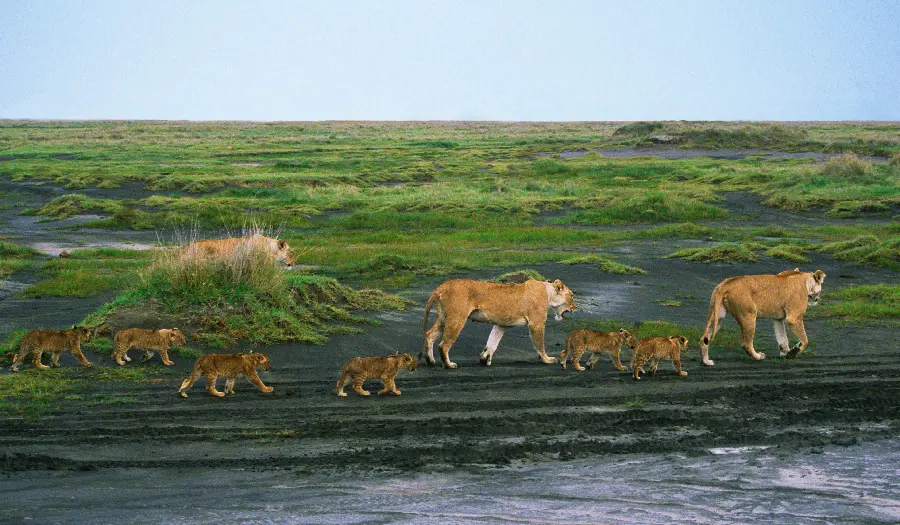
[867,249]
[847,165]
[244,297]
[14,257]
[604,263]
[726,252]
[651,207]
[789,252]
[519,276]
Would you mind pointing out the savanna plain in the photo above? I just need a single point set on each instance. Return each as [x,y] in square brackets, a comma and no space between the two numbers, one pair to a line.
[640,219]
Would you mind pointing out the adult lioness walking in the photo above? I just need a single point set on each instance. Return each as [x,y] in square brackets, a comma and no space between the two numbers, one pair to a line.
[502,305]
[783,298]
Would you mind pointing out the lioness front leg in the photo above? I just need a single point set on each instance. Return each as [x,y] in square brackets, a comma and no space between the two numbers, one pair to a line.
[537,338]
[781,337]
[796,326]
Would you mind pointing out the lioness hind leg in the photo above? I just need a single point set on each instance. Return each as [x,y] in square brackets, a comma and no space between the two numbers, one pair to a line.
[748,330]
[796,326]
[433,334]
[452,328]
[211,385]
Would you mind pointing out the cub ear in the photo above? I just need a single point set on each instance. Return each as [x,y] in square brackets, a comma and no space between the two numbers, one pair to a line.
[819,276]
[282,244]
[621,330]
[796,269]
[683,340]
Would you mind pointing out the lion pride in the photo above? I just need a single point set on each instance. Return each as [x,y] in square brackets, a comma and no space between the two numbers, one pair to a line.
[502,305]
[783,298]
[278,249]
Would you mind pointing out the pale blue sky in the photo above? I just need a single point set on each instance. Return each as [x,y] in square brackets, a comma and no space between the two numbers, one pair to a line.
[485,60]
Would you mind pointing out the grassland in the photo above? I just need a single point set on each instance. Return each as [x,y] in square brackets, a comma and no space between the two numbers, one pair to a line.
[385,204]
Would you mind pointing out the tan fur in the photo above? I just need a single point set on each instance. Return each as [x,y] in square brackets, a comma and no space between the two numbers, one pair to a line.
[503,305]
[385,368]
[36,342]
[656,349]
[231,366]
[580,341]
[148,340]
[783,298]
[278,249]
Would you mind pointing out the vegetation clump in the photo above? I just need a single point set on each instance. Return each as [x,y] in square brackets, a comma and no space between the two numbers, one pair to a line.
[725,253]
[519,276]
[867,249]
[604,263]
[790,252]
[13,258]
[863,304]
[847,166]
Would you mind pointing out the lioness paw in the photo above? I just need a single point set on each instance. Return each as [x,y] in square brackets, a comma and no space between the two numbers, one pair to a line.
[682,373]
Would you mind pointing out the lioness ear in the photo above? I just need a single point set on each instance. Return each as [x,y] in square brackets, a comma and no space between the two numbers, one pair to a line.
[819,276]
[281,244]
[558,285]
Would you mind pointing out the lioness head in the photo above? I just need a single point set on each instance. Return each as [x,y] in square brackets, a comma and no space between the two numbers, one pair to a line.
[562,300]
[407,361]
[814,286]
[630,341]
[261,360]
[176,337]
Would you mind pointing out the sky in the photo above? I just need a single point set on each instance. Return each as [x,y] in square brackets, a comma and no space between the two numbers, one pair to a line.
[450,60]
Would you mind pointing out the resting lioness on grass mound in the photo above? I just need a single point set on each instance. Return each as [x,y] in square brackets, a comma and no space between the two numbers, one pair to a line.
[783,298]
[278,249]
[502,305]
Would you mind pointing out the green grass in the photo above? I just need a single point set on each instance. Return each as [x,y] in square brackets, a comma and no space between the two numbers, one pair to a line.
[867,249]
[88,273]
[726,253]
[604,263]
[790,252]
[862,305]
[14,258]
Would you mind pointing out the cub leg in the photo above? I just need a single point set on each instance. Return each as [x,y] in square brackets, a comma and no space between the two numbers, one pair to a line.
[537,338]
[211,385]
[389,386]
[576,359]
[676,362]
[487,355]
[54,359]
[229,385]
[654,366]
[76,351]
[341,383]
[36,359]
[616,358]
[358,386]
[120,354]
[189,382]
[164,355]
[564,355]
[254,378]
[592,362]
[748,330]
[796,326]
[19,358]
[636,368]
[784,344]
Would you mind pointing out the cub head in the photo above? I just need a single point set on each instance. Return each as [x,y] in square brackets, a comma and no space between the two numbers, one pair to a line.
[814,286]
[82,332]
[261,361]
[630,342]
[562,300]
[681,342]
[176,337]
[406,361]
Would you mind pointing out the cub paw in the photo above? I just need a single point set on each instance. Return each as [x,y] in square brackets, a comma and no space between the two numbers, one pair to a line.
[682,373]
[267,390]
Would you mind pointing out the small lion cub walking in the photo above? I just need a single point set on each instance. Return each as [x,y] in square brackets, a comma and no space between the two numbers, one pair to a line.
[36,342]
[656,349]
[580,341]
[150,341]
[231,366]
[359,369]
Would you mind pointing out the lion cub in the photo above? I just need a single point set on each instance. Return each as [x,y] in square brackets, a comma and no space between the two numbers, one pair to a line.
[656,349]
[231,366]
[36,342]
[598,343]
[148,340]
[385,368]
